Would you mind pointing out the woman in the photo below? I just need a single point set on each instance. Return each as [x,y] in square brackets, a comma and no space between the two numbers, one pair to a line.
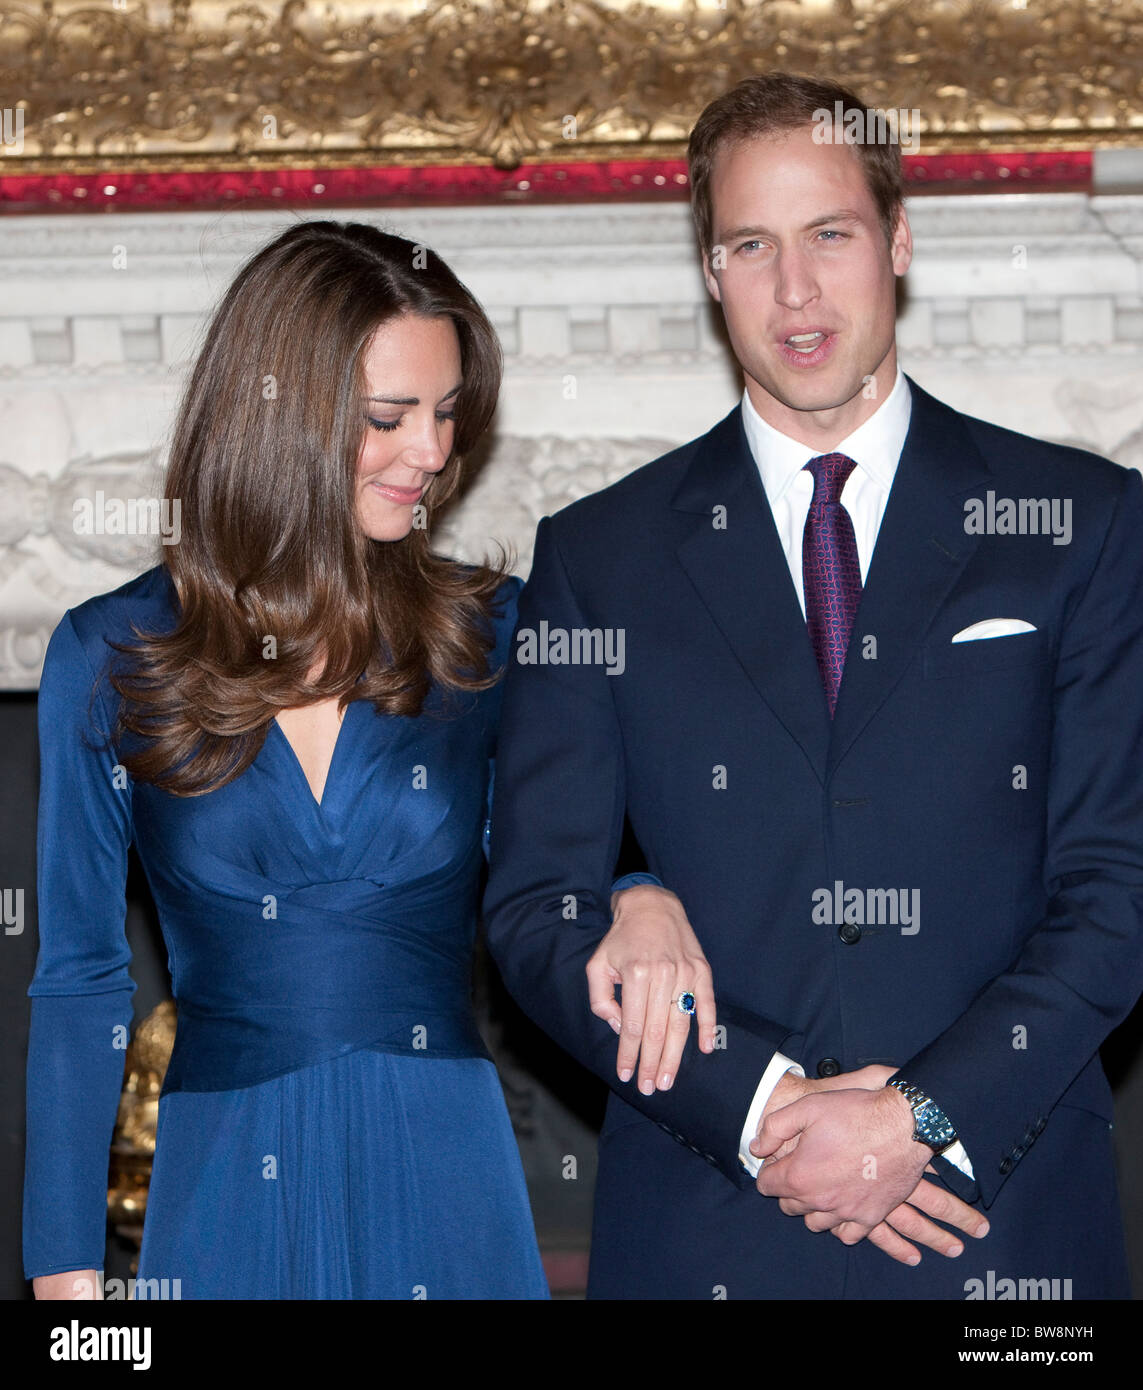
[293,719]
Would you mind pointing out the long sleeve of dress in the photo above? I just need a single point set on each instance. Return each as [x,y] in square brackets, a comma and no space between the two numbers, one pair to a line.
[81,991]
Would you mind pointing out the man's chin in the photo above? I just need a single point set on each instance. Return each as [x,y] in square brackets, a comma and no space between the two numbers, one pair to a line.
[812,395]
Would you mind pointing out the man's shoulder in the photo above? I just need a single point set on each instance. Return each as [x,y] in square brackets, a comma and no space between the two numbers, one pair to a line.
[1050,458]
[1029,458]
[633,497]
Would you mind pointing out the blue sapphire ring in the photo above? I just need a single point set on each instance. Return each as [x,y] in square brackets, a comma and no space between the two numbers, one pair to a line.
[686,1002]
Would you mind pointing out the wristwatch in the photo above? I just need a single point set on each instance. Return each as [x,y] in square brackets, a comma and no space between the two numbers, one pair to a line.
[930,1123]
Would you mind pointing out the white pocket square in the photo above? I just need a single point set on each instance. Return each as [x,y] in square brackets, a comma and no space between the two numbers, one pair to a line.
[993,627]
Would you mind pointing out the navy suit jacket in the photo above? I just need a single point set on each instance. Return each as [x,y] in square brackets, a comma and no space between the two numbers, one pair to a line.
[999,780]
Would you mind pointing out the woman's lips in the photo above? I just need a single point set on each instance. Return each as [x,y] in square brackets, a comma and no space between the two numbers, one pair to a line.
[405,496]
[808,350]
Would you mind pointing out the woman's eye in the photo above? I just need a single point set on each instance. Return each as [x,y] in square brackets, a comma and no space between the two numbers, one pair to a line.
[389,425]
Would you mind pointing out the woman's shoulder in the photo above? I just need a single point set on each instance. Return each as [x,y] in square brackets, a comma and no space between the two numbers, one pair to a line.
[507,596]
[146,603]
[500,607]
[497,619]
[505,602]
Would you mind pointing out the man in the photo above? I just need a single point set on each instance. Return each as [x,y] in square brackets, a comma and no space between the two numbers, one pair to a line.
[885,750]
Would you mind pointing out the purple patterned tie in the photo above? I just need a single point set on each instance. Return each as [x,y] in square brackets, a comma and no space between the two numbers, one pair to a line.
[831,574]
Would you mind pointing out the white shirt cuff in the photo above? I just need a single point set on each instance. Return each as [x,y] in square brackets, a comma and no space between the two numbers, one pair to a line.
[957,1155]
[779,1066]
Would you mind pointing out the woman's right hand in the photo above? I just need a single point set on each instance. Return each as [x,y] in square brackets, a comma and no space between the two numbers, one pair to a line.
[652,951]
[72,1284]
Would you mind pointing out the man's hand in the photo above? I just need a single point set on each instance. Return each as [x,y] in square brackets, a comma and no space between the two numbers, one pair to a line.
[855,1159]
[840,1190]
[654,954]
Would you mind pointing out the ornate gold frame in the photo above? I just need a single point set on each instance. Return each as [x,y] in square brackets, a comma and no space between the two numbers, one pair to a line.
[164,85]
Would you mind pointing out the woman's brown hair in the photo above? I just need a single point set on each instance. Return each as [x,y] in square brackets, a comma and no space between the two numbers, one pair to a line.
[271,560]
[773,103]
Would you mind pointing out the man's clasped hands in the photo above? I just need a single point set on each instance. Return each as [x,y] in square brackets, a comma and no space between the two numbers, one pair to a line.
[838,1151]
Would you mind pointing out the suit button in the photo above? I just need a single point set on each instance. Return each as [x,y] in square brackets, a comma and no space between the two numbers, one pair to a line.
[1006,1165]
[850,933]
[829,1066]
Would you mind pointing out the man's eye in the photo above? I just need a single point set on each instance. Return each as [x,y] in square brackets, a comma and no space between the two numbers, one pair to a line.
[829,231]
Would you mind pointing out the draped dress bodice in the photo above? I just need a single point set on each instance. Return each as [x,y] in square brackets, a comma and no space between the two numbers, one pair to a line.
[301,935]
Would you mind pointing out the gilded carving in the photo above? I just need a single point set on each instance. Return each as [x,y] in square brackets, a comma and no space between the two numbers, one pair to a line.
[142,84]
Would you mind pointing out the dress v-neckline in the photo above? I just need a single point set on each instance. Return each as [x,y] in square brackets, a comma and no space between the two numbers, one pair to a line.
[319,804]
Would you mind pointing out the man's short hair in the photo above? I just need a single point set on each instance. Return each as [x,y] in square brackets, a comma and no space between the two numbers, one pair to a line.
[770,104]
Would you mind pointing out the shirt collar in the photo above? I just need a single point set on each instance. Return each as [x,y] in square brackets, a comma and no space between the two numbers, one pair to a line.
[875,445]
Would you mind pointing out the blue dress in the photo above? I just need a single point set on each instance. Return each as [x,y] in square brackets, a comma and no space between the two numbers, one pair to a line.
[331,1125]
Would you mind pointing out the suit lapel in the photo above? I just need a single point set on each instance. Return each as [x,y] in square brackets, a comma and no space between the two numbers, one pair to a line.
[742,577]
[920,552]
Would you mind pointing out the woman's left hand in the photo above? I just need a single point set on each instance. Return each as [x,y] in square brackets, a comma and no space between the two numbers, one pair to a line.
[654,954]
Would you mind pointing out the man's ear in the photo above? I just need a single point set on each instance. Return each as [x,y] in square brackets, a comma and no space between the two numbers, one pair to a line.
[901,248]
[708,274]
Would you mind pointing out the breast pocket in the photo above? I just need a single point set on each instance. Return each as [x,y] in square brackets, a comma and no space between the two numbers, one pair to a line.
[948,658]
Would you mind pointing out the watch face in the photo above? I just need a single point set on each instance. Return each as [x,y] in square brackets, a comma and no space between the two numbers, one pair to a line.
[933,1126]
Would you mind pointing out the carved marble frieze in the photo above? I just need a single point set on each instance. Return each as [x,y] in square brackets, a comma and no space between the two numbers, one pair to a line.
[1026,310]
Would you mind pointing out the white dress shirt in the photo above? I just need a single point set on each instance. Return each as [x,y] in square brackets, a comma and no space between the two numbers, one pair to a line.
[875,447]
